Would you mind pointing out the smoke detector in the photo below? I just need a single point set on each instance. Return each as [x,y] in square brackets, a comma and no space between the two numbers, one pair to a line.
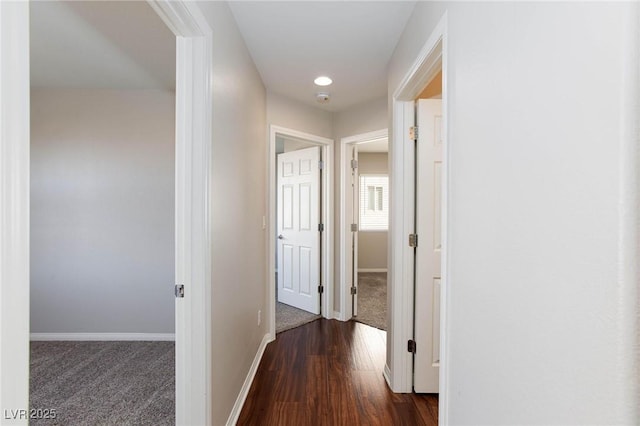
[322,97]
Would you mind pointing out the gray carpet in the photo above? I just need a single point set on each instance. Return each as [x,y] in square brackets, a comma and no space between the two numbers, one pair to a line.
[288,317]
[104,383]
[372,299]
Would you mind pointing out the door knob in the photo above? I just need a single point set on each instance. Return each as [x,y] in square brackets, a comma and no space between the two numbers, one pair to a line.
[281,237]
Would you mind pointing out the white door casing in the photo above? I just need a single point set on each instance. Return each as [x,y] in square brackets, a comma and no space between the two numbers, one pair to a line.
[355,176]
[428,251]
[193,215]
[326,237]
[14,212]
[348,215]
[298,233]
[431,58]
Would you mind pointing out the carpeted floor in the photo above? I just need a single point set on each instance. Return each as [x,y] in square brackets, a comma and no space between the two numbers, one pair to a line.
[372,299]
[104,383]
[288,317]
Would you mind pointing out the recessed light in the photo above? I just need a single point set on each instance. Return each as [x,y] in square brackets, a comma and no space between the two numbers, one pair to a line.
[323,81]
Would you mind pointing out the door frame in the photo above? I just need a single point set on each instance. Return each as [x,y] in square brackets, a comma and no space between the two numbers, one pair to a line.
[193,218]
[14,208]
[399,369]
[346,312]
[194,71]
[327,217]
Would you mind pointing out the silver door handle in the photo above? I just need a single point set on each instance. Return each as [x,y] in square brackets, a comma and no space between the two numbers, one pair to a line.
[281,237]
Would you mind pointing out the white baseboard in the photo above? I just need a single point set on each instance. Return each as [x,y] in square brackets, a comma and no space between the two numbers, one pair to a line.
[337,315]
[387,376]
[246,386]
[372,270]
[102,336]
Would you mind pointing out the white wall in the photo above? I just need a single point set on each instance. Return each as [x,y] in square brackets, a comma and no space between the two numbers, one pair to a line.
[239,203]
[102,211]
[372,245]
[543,302]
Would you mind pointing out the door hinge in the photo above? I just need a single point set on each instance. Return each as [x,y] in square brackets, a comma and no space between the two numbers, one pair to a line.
[354,164]
[179,290]
[411,346]
[413,133]
[354,290]
[321,227]
[413,240]
[354,227]
[321,164]
[320,289]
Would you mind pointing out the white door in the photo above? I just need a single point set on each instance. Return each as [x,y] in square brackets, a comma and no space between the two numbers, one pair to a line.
[354,227]
[298,233]
[428,219]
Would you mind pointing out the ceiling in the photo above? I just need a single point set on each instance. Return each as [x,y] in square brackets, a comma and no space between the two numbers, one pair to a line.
[351,42]
[116,44]
[111,44]
[379,145]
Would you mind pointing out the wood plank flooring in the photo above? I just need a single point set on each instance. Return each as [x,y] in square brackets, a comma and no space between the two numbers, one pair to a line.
[330,373]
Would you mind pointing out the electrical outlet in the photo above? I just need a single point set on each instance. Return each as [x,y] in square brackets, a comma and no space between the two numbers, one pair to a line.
[259,317]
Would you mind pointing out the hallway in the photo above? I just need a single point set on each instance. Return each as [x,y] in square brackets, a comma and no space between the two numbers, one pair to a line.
[330,373]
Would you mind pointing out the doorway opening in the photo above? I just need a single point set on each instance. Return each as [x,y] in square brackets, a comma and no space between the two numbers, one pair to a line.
[420,184]
[300,285]
[364,217]
[193,173]
[102,260]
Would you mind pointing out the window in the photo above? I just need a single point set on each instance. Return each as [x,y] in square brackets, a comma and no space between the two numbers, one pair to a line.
[374,202]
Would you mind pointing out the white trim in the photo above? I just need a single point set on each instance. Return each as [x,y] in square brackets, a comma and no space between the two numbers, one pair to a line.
[104,337]
[400,275]
[346,312]
[431,58]
[194,72]
[372,269]
[327,213]
[14,207]
[386,374]
[246,386]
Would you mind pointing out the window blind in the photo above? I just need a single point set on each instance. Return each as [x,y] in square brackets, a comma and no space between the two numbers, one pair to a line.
[374,202]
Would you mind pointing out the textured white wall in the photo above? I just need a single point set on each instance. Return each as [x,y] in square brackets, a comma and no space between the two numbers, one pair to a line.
[102,211]
[239,189]
[543,302]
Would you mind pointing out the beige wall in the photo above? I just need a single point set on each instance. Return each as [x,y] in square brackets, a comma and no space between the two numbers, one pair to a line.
[102,211]
[433,89]
[372,245]
[238,205]
[361,118]
[295,115]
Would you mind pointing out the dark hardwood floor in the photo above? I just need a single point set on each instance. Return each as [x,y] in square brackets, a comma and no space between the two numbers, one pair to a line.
[330,373]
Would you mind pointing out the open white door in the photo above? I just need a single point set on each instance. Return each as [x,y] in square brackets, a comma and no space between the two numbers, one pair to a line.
[298,233]
[355,185]
[428,219]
